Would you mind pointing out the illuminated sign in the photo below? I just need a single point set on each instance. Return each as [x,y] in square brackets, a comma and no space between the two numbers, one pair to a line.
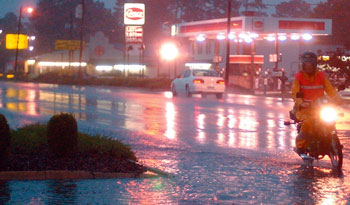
[133,34]
[11,41]
[246,59]
[134,14]
[68,45]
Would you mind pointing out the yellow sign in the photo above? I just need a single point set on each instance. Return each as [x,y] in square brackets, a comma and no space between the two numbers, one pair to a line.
[11,41]
[68,45]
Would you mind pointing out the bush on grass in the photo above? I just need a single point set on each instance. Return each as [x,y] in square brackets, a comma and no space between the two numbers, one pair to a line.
[5,141]
[62,135]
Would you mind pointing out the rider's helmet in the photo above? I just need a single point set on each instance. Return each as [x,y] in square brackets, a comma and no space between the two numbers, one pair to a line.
[309,57]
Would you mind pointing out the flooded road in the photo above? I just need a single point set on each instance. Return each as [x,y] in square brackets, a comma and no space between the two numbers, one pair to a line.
[235,150]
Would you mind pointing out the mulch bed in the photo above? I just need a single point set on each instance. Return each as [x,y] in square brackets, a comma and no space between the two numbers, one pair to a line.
[80,161]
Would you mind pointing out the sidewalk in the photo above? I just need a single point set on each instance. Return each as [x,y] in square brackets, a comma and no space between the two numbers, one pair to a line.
[242,91]
[278,94]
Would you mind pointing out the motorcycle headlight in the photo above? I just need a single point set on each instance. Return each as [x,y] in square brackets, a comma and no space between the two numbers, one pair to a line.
[329,114]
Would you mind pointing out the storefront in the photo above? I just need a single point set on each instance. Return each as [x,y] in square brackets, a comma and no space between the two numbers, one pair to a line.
[277,41]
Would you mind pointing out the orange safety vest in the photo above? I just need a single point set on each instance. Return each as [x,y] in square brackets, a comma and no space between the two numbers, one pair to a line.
[311,90]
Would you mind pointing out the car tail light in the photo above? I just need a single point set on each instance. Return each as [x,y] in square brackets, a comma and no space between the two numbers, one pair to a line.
[198,81]
[221,82]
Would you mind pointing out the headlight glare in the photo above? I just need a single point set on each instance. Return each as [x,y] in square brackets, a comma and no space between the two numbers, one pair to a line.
[329,114]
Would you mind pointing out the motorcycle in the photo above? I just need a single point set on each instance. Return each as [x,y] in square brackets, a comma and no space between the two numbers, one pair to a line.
[324,140]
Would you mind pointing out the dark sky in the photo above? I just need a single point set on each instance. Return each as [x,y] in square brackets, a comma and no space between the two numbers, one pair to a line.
[14,5]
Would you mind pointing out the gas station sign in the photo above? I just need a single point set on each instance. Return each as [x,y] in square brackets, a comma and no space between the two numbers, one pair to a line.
[134,14]
[133,34]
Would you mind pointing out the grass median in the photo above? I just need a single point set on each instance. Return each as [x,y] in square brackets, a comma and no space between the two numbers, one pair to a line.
[29,152]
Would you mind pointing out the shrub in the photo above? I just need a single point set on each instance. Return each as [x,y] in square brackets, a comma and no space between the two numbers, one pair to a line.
[5,141]
[62,135]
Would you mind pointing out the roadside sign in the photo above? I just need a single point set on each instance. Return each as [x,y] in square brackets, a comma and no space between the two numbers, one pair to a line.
[277,74]
[217,59]
[273,58]
[68,45]
[133,34]
[134,14]
[79,11]
[11,41]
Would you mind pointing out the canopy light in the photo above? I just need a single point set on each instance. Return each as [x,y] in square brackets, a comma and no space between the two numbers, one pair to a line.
[270,38]
[220,36]
[307,37]
[201,38]
[248,40]
[253,35]
[282,38]
[232,36]
[295,37]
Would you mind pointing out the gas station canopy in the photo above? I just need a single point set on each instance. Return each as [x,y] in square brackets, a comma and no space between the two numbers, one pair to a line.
[263,27]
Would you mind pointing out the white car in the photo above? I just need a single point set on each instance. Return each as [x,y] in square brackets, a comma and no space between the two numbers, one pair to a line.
[197,81]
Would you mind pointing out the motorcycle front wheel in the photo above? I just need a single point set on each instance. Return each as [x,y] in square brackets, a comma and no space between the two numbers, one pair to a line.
[336,154]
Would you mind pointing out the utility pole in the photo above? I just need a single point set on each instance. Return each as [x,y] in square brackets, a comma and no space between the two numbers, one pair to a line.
[228,40]
[18,33]
[81,37]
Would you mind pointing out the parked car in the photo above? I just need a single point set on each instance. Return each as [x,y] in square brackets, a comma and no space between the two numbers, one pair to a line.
[198,81]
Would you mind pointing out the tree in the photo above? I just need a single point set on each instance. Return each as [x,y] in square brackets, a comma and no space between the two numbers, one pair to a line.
[293,8]
[9,26]
[338,11]
[53,19]
[254,7]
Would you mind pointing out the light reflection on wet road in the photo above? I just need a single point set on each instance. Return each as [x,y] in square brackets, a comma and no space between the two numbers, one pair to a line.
[234,150]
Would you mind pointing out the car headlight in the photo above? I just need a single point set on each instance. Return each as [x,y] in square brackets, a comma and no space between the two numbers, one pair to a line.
[329,114]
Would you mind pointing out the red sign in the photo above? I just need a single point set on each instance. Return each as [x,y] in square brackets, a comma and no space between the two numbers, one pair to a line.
[246,59]
[210,27]
[134,13]
[302,25]
[258,24]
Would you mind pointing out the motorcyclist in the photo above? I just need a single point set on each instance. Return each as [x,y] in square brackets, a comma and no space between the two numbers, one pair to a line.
[312,83]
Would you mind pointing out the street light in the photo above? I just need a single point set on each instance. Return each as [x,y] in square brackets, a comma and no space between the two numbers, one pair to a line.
[169,52]
[28,10]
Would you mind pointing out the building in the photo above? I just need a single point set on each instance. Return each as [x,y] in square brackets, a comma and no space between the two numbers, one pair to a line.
[99,58]
[278,41]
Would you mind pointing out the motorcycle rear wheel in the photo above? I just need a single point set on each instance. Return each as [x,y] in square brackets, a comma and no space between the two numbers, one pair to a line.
[336,154]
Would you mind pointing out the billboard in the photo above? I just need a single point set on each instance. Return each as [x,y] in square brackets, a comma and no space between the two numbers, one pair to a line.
[11,41]
[134,14]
